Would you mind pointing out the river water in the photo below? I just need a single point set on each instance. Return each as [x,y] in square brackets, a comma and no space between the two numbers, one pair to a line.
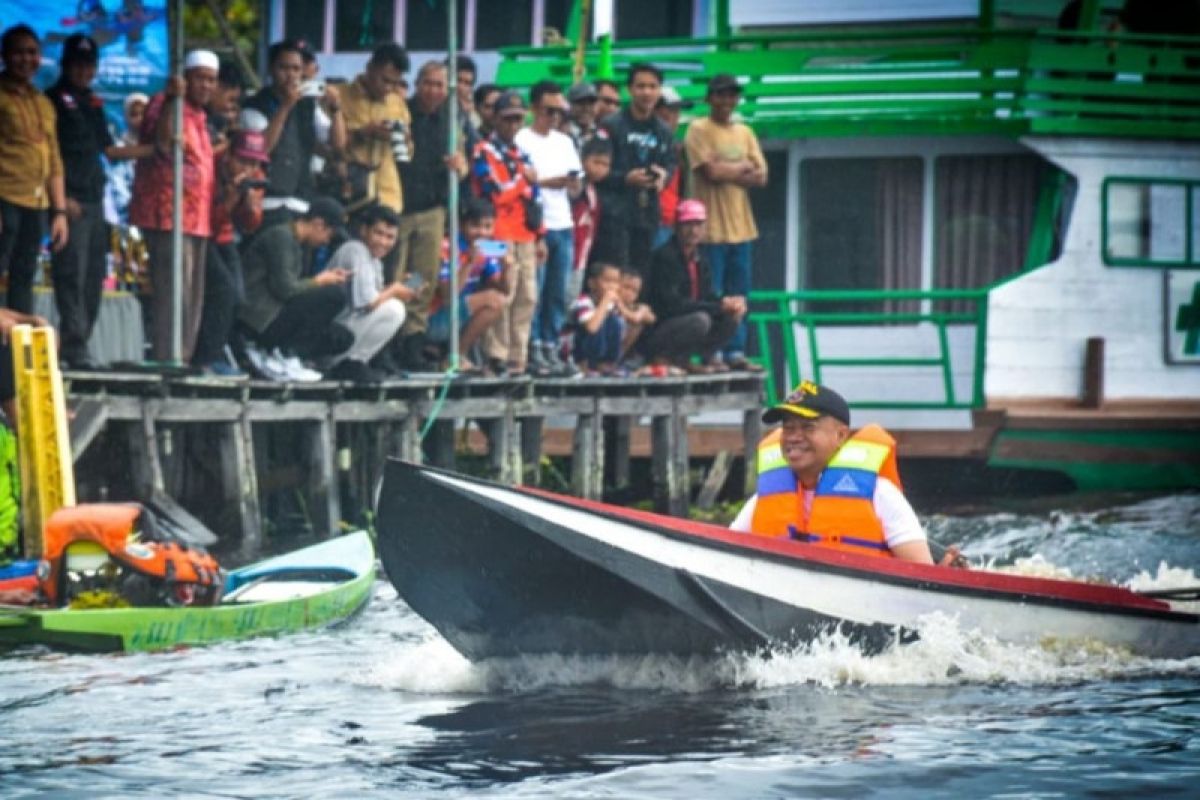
[382,707]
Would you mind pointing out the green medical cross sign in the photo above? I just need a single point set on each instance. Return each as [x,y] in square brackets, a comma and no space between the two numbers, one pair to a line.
[1188,320]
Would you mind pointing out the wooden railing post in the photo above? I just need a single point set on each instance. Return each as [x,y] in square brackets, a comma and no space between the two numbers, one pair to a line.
[1093,373]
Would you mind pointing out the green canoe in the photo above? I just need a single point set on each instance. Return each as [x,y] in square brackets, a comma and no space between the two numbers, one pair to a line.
[307,588]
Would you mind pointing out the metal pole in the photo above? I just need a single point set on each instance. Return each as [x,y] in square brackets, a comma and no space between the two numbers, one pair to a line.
[177,208]
[451,175]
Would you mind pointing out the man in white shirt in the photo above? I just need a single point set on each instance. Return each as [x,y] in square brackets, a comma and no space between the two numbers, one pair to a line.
[817,483]
[559,176]
[375,310]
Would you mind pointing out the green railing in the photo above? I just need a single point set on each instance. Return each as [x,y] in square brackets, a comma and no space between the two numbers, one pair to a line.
[781,318]
[933,81]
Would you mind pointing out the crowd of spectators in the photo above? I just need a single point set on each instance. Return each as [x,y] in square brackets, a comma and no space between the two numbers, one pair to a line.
[315,216]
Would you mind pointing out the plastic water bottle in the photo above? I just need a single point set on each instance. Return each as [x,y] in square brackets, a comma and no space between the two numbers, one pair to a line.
[41,275]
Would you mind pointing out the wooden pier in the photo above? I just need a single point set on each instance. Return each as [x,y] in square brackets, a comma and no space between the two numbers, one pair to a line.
[221,448]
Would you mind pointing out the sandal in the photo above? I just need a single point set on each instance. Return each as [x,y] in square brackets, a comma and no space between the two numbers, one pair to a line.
[743,364]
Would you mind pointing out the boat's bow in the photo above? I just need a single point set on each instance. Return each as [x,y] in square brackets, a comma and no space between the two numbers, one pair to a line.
[506,571]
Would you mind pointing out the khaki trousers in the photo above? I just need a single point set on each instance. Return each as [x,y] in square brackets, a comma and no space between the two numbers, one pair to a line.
[508,339]
[419,250]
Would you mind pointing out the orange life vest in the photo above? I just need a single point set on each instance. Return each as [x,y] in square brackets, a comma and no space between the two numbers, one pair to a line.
[843,512]
[114,527]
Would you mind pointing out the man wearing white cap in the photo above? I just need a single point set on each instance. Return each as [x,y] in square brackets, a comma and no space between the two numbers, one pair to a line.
[153,204]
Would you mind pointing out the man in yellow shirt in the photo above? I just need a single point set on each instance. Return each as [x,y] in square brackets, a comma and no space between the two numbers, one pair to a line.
[373,110]
[726,160]
[31,171]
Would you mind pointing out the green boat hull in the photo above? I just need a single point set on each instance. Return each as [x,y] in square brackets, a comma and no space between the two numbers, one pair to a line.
[351,557]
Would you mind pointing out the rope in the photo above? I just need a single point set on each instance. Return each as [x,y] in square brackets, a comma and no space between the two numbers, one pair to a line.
[437,404]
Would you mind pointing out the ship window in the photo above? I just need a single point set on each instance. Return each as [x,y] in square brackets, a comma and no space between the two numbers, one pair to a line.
[304,19]
[425,25]
[984,210]
[1151,223]
[861,224]
[637,19]
[362,24]
[499,26]
[557,15]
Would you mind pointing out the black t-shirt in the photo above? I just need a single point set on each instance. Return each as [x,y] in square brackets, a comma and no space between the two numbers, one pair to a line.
[424,178]
[637,144]
[83,136]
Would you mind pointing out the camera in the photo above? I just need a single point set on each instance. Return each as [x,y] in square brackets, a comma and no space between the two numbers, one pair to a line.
[401,151]
[312,89]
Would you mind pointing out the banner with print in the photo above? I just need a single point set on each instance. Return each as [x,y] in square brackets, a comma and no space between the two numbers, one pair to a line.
[131,36]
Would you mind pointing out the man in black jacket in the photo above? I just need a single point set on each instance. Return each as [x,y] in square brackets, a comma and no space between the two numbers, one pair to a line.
[78,270]
[426,193]
[643,159]
[692,319]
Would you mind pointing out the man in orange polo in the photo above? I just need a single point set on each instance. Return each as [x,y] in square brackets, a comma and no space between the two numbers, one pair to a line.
[819,483]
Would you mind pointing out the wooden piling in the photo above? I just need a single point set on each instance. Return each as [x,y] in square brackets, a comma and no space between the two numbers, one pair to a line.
[324,505]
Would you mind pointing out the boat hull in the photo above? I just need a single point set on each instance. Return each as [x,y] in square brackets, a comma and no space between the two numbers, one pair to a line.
[503,572]
[310,588]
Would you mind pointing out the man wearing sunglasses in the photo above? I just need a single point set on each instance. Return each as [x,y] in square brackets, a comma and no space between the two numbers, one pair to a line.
[559,176]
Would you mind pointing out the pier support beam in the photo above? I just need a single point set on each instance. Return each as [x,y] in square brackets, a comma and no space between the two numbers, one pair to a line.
[669,456]
[239,480]
[587,462]
[531,450]
[324,505]
[751,435]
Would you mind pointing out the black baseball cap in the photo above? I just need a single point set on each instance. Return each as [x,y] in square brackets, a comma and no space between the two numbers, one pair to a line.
[79,47]
[509,104]
[325,208]
[581,91]
[723,83]
[809,400]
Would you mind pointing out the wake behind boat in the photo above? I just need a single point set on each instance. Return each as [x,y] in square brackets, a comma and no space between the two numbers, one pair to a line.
[502,571]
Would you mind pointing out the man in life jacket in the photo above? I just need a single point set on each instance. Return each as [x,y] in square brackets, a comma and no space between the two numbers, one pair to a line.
[819,483]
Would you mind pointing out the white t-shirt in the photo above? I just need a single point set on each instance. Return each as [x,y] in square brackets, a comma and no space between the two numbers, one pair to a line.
[900,523]
[366,273]
[553,156]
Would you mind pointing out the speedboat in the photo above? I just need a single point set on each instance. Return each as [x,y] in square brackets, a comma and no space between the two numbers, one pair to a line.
[312,587]
[502,571]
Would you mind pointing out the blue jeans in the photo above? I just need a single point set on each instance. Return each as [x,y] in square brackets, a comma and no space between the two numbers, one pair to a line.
[730,266]
[553,279]
[601,347]
[662,235]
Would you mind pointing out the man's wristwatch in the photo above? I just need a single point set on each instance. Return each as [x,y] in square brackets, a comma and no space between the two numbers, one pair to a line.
[54,212]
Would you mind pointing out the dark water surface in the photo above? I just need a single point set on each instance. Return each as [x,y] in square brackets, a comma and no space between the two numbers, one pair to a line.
[382,707]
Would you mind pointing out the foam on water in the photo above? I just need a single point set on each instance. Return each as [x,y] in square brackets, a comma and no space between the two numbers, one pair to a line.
[943,655]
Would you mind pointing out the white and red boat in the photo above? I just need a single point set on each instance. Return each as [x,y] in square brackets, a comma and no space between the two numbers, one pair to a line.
[502,571]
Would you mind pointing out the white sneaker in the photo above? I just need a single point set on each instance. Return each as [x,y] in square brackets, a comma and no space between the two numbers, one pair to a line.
[265,364]
[295,368]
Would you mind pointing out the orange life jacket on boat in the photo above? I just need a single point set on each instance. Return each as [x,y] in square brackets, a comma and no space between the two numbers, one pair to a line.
[843,512]
[125,533]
